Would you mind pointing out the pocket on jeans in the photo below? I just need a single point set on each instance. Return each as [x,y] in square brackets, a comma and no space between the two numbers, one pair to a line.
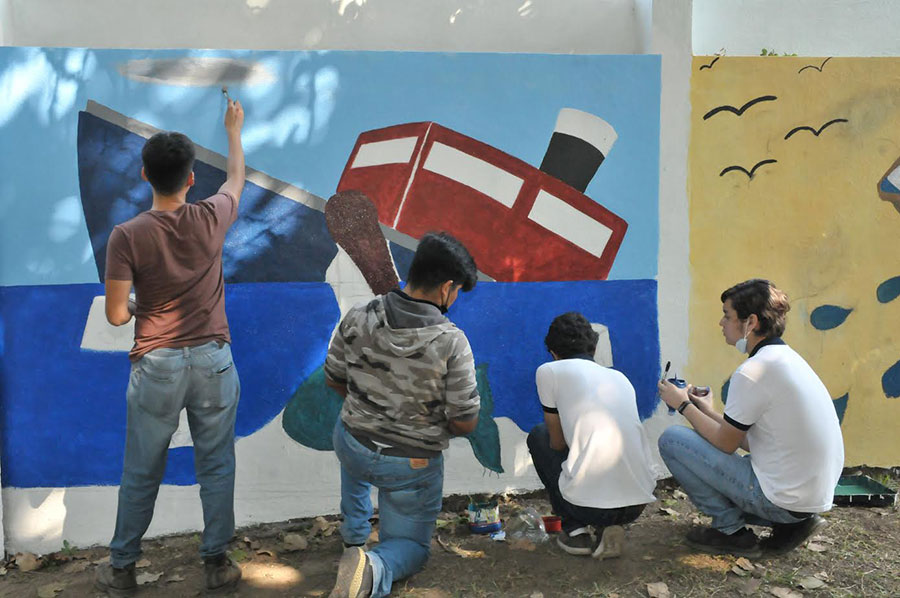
[155,394]
[222,386]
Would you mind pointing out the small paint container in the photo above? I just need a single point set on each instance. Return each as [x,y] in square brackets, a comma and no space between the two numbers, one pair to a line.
[552,524]
[679,383]
[484,517]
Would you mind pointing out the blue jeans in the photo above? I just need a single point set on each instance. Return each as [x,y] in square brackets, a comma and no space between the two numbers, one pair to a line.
[409,501]
[722,485]
[548,464]
[203,380]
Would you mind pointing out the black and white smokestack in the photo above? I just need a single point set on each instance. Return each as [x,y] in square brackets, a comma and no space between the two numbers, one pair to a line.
[579,144]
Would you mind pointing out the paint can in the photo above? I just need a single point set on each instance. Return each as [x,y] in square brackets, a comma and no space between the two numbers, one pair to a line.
[678,382]
[552,524]
[484,517]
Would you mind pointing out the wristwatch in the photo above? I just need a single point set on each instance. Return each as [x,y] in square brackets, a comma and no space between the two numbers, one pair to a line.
[683,406]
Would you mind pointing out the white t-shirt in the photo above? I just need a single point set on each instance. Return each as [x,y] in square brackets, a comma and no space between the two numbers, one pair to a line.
[609,457]
[796,447]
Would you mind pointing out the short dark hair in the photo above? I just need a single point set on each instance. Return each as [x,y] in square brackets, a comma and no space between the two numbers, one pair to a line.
[439,258]
[761,297]
[168,158]
[571,334]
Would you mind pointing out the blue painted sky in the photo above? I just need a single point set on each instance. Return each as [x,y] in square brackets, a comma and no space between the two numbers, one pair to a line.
[302,125]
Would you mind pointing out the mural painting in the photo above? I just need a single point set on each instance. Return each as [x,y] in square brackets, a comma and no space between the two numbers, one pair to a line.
[793,170]
[545,166]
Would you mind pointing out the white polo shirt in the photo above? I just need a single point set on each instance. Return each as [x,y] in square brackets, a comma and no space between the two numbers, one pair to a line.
[795,441]
[609,456]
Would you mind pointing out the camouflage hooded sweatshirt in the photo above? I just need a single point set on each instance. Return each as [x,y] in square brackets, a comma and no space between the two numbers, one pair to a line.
[408,371]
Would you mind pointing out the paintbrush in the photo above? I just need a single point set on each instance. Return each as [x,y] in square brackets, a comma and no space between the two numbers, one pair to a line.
[225,92]
[666,371]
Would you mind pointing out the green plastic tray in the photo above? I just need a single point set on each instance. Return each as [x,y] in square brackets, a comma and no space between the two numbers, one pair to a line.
[863,491]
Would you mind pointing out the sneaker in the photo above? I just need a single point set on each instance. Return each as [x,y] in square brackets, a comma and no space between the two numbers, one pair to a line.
[610,544]
[114,581]
[788,536]
[354,576]
[222,573]
[741,543]
[577,541]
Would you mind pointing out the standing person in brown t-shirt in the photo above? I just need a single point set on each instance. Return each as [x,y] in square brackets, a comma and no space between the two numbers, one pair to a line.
[181,359]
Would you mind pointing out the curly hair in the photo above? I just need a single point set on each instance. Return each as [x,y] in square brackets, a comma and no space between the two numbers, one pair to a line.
[571,334]
[761,297]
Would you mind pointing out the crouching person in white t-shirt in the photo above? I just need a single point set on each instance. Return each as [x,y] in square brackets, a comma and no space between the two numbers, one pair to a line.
[779,411]
[591,453]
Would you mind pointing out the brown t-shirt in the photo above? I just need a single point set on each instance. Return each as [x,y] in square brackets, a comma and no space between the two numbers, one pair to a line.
[174,259]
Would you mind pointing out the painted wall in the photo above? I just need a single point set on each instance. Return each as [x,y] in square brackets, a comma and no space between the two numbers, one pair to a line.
[789,158]
[290,272]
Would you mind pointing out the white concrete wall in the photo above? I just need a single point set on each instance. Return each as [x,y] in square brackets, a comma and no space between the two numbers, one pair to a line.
[580,26]
[270,489]
[802,27]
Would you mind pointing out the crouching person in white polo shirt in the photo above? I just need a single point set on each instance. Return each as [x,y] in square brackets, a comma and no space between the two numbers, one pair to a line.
[591,452]
[778,410]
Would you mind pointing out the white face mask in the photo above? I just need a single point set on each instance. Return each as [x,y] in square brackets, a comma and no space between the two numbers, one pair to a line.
[741,344]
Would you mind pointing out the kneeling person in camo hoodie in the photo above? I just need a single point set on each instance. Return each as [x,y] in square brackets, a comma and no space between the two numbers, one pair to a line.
[407,376]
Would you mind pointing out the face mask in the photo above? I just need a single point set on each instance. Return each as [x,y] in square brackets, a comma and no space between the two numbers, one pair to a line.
[741,344]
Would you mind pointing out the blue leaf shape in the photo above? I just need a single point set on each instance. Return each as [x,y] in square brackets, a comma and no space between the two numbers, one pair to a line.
[485,439]
[826,317]
[312,412]
[840,406]
[888,290]
[890,381]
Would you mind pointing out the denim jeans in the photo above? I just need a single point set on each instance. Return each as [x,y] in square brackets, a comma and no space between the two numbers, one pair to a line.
[409,501]
[548,464]
[722,485]
[203,380]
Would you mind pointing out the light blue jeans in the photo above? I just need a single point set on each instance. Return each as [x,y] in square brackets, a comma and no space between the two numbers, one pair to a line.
[409,501]
[203,380]
[722,485]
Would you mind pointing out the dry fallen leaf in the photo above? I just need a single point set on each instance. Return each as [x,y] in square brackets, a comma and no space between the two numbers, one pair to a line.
[658,590]
[142,564]
[27,561]
[3,571]
[744,564]
[679,494]
[537,595]
[466,554]
[76,567]
[323,526]
[784,592]
[101,561]
[267,552]
[811,583]
[294,542]
[145,578]
[50,590]
[740,572]
[522,544]
[669,511]
[815,547]
[174,578]
[750,586]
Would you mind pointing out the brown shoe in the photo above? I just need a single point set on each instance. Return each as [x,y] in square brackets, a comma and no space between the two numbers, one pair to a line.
[222,573]
[114,581]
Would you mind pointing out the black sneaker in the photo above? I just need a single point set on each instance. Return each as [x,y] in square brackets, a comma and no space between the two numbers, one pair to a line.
[741,543]
[578,541]
[354,576]
[610,543]
[788,536]
[222,573]
[116,582]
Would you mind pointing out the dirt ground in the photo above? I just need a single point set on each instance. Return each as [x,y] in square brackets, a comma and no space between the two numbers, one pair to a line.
[856,554]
